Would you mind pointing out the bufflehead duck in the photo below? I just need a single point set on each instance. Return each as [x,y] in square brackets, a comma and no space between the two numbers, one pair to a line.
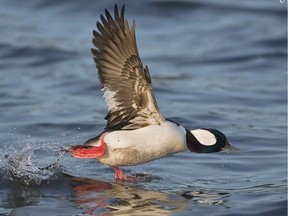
[136,132]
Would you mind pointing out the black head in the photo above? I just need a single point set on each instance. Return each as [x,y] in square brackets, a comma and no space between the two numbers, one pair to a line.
[207,141]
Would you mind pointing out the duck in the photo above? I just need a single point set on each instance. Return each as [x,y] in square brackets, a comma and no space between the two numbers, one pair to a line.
[136,132]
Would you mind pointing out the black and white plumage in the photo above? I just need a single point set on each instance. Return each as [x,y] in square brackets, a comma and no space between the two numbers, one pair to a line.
[136,132]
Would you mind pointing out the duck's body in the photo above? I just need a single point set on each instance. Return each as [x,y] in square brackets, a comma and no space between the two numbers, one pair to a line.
[133,147]
[136,132]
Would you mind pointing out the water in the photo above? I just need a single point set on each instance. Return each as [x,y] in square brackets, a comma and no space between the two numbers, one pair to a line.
[219,64]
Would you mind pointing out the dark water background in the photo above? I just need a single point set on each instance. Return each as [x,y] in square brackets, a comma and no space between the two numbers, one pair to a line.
[219,64]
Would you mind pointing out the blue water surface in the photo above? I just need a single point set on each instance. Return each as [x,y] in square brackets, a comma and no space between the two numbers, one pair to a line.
[214,64]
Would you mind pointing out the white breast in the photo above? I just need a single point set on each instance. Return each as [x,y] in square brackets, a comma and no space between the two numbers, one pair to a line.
[132,147]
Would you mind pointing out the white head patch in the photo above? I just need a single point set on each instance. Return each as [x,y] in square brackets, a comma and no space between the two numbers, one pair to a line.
[205,137]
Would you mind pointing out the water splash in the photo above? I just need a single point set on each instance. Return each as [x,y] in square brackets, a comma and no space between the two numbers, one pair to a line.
[209,198]
[31,164]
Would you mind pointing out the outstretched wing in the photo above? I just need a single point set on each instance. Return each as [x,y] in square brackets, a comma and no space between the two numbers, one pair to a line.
[126,83]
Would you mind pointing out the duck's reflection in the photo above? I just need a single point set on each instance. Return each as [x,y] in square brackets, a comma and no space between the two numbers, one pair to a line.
[97,197]
[94,197]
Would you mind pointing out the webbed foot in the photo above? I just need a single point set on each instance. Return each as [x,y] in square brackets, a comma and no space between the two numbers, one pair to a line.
[86,151]
[121,176]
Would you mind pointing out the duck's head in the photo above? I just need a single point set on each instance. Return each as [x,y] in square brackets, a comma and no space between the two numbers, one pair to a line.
[207,141]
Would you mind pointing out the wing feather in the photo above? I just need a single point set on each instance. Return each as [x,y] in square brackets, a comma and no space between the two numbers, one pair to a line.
[126,83]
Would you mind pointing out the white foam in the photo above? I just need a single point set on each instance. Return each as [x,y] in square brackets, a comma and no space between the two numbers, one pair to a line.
[23,164]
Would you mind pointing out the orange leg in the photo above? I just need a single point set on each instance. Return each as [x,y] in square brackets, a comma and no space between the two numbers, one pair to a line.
[85,151]
[121,176]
